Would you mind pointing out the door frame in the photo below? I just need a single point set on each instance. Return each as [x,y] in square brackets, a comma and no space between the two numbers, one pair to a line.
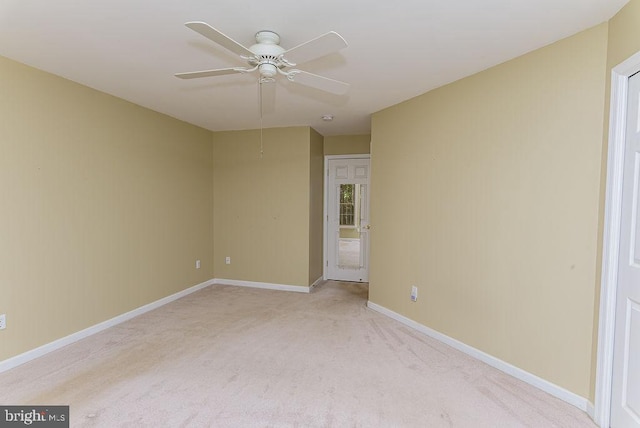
[325,212]
[620,75]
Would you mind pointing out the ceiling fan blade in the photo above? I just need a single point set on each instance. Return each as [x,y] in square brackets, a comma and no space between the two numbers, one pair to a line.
[318,82]
[209,73]
[315,48]
[216,36]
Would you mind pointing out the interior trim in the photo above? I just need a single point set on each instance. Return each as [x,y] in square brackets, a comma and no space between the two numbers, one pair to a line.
[542,384]
[316,283]
[611,237]
[74,337]
[591,410]
[265,285]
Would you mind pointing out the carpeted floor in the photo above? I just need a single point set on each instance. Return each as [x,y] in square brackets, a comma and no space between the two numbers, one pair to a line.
[239,357]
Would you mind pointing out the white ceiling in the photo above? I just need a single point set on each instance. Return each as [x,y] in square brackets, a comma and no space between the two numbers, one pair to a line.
[397,50]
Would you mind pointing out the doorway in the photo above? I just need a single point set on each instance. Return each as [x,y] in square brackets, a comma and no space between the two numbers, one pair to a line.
[617,401]
[625,387]
[347,218]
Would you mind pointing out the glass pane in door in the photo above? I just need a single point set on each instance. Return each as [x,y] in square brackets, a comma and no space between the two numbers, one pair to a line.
[349,230]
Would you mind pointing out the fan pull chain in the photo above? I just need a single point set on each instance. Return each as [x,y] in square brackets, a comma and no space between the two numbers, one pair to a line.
[260,100]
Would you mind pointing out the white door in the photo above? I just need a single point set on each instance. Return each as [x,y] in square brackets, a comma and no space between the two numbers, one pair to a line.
[625,394]
[348,220]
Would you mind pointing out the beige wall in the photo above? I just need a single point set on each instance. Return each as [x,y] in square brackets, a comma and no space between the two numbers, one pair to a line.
[105,207]
[347,145]
[262,205]
[624,34]
[485,195]
[316,200]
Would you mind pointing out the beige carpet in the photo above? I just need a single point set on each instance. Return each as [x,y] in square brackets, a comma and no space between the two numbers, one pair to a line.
[237,357]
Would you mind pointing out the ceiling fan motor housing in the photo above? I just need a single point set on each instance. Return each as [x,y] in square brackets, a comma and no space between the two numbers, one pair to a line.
[268,53]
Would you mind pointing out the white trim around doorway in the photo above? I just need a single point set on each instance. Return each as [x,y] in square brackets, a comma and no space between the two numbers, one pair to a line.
[611,237]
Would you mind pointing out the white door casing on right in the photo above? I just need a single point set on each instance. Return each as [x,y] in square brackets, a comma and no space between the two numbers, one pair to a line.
[625,388]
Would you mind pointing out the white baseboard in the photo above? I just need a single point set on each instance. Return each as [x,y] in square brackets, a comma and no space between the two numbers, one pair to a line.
[546,386]
[67,340]
[316,283]
[266,285]
[591,410]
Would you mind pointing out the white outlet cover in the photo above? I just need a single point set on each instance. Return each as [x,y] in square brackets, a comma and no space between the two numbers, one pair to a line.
[414,293]
[3,321]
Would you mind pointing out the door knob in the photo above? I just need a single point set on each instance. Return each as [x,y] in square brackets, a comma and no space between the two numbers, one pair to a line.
[368,227]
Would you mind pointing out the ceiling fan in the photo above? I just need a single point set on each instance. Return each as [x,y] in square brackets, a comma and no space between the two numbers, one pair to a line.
[269,59]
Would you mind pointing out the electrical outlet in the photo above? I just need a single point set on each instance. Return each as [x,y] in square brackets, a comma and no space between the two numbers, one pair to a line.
[197,264]
[414,293]
[227,260]
[3,321]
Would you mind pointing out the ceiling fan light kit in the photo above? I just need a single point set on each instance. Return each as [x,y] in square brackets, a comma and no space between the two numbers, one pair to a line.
[268,70]
[270,59]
